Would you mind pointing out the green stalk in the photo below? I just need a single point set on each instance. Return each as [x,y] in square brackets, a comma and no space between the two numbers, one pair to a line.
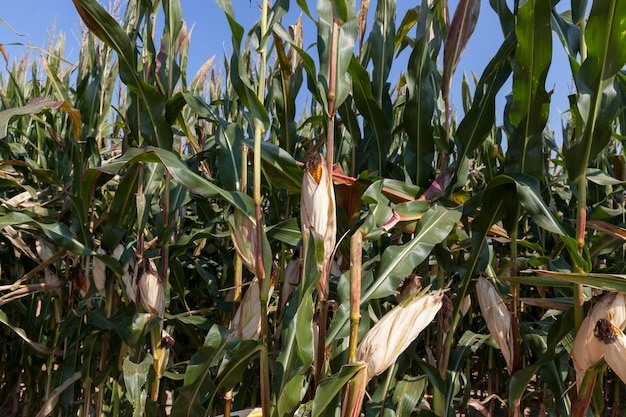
[330,144]
[158,348]
[238,278]
[581,224]
[356,260]
[515,297]
[260,266]
[442,357]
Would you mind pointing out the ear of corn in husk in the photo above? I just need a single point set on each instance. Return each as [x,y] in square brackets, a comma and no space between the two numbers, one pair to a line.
[587,349]
[613,345]
[98,272]
[395,331]
[243,235]
[317,207]
[129,269]
[246,323]
[496,316]
[151,288]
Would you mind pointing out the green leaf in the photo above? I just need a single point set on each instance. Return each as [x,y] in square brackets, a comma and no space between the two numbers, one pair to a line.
[408,21]
[346,38]
[529,196]
[304,330]
[607,282]
[597,100]
[238,73]
[380,47]
[420,103]
[22,334]
[372,113]
[287,232]
[408,393]
[600,177]
[480,119]
[330,387]
[499,201]
[104,26]
[398,262]
[230,141]
[290,396]
[135,377]
[580,263]
[531,103]
[279,167]
[180,173]
[36,106]
[59,233]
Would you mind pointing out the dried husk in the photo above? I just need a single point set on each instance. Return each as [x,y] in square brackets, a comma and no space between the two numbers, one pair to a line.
[395,331]
[151,288]
[98,272]
[243,235]
[613,345]
[587,350]
[246,323]
[128,276]
[497,317]
[317,205]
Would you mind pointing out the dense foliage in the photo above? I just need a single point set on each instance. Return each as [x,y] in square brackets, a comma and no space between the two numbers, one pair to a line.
[177,246]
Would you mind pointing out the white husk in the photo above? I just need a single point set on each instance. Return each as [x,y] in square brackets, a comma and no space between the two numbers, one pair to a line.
[395,331]
[128,275]
[99,273]
[291,280]
[44,252]
[497,317]
[615,353]
[246,323]
[587,350]
[243,236]
[151,289]
[317,210]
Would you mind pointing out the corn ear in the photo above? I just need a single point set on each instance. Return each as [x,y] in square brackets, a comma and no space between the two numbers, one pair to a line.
[243,235]
[151,288]
[587,350]
[396,330]
[613,344]
[496,316]
[317,205]
[246,323]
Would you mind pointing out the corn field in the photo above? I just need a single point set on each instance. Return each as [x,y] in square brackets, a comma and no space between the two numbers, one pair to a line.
[298,233]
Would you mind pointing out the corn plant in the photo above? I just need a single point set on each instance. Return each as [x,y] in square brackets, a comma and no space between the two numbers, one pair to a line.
[301,231]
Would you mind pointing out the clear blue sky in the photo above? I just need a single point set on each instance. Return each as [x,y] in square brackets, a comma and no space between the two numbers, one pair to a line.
[211,36]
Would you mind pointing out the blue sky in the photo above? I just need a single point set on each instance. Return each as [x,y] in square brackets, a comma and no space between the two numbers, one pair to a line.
[211,36]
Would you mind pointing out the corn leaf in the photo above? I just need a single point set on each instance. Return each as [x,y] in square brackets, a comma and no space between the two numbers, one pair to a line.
[103,25]
[531,103]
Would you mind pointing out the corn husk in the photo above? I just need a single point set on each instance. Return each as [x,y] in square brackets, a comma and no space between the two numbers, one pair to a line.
[395,331]
[290,281]
[44,252]
[317,206]
[243,235]
[151,288]
[248,412]
[98,272]
[587,350]
[128,276]
[246,323]
[496,316]
[613,344]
